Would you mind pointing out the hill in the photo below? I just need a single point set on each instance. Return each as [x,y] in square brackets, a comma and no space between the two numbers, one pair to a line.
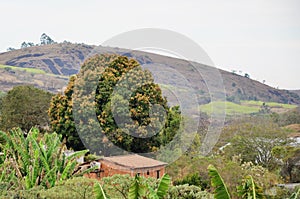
[296,92]
[49,66]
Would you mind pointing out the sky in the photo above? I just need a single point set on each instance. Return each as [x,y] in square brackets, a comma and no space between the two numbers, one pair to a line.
[261,38]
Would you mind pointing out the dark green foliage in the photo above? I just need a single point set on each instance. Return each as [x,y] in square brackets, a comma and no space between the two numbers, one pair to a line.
[27,44]
[118,185]
[162,188]
[45,39]
[10,49]
[25,107]
[2,94]
[123,89]
[140,189]
[32,160]
[61,117]
[253,139]
[221,191]
[78,187]
[290,157]
[249,189]
[193,179]
[290,117]
[137,189]
[99,192]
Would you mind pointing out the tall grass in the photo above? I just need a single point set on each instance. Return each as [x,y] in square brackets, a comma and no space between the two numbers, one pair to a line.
[29,70]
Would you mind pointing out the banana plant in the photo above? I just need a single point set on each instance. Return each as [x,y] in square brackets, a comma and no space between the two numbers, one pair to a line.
[38,160]
[139,190]
[99,192]
[162,188]
[249,189]
[221,191]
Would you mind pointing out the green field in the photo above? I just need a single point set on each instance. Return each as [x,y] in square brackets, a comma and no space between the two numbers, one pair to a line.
[29,70]
[270,104]
[230,108]
[246,107]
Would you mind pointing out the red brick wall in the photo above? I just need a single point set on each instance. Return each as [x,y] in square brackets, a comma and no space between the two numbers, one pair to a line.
[109,169]
[151,172]
[92,175]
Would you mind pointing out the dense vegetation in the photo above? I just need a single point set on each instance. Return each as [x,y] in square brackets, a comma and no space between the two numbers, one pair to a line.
[129,126]
[24,107]
[254,154]
[33,159]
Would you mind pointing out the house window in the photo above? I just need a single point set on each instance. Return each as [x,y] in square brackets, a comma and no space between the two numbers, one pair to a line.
[157,174]
[148,173]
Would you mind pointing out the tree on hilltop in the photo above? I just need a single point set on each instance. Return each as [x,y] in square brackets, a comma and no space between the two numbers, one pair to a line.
[26,44]
[45,39]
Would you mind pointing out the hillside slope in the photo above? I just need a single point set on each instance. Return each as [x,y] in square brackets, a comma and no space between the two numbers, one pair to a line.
[64,59]
[58,59]
[296,92]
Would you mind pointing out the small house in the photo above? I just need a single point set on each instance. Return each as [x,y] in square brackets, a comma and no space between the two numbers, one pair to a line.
[128,164]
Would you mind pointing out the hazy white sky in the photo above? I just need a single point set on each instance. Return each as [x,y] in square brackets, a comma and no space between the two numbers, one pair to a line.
[259,37]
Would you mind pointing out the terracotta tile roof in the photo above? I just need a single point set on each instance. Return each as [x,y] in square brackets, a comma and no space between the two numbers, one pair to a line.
[134,161]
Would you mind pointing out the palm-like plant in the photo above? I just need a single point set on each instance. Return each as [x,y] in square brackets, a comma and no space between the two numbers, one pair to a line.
[221,191]
[99,192]
[139,190]
[248,189]
[37,160]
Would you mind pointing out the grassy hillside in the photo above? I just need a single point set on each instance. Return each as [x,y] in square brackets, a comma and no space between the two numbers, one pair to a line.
[28,70]
[64,59]
[58,59]
[245,107]
[11,76]
[296,92]
[270,104]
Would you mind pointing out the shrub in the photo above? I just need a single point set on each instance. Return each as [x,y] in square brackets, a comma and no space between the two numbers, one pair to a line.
[188,192]
[79,187]
[193,179]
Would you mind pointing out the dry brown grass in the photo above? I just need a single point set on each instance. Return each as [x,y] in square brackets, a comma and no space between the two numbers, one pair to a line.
[72,55]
